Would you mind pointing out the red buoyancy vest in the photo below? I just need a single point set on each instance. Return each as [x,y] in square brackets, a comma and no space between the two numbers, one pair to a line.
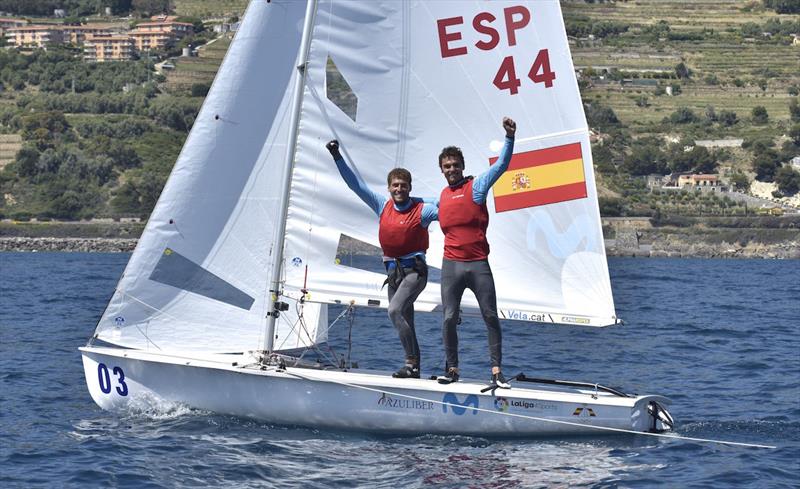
[401,232]
[464,224]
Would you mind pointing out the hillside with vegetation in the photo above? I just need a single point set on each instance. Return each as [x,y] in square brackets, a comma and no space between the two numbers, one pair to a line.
[81,140]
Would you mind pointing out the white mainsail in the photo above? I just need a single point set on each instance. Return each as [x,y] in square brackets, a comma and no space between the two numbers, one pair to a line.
[431,74]
[198,279]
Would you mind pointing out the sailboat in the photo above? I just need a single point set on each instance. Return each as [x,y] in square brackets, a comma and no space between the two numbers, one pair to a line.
[238,263]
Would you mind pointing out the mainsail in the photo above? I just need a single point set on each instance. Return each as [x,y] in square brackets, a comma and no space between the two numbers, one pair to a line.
[199,277]
[424,75]
[431,74]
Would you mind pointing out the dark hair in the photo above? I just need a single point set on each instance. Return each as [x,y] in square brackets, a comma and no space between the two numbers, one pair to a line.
[400,173]
[453,152]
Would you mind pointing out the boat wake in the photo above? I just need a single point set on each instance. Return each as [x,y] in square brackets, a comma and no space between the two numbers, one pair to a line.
[751,431]
[153,408]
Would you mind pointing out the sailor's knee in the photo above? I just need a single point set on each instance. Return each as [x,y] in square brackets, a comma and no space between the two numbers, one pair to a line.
[395,313]
[491,319]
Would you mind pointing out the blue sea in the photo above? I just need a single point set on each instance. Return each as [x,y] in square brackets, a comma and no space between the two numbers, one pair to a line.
[720,338]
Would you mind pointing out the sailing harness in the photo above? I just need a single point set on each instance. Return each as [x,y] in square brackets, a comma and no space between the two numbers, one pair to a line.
[397,269]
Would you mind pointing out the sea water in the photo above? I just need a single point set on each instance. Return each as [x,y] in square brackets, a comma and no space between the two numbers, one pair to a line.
[720,338]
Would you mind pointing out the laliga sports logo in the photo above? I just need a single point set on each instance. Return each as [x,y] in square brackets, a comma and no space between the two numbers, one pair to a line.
[501,403]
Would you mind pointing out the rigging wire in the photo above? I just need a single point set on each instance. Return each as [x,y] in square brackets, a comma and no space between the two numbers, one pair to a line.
[536,418]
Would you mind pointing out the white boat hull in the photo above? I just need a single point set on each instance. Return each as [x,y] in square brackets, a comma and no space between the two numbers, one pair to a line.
[120,380]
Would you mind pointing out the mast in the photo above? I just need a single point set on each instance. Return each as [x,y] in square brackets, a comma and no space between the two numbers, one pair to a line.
[305,44]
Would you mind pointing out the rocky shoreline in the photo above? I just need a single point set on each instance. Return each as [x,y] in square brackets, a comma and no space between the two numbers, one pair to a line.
[779,251]
[94,245]
[675,248]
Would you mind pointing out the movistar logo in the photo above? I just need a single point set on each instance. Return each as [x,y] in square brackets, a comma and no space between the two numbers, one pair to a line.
[450,400]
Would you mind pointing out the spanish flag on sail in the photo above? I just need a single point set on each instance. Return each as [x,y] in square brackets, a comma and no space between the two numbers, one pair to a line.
[540,177]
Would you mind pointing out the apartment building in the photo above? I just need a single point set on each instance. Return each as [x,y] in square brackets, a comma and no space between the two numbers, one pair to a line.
[76,34]
[105,47]
[34,36]
[9,23]
[158,35]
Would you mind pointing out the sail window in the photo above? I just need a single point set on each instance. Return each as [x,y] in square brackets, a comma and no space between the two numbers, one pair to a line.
[350,247]
[338,90]
[178,271]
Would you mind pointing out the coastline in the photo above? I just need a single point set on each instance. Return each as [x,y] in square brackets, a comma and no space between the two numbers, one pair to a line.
[669,247]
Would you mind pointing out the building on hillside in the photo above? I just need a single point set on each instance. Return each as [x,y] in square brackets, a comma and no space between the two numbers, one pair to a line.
[699,181]
[9,23]
[149,36]
[795,162]
[34,36]
[671,180]
[222,28]
[795,39]
[655,180]
[101,48]
[76,34]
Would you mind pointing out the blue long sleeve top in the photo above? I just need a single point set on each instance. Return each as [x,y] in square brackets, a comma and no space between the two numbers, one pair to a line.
[376,201]
[484,181]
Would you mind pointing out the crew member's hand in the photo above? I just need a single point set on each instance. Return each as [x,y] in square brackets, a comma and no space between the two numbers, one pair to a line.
[510,126]
[333,147]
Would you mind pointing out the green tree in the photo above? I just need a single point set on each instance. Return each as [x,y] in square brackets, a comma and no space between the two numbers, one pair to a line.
[727,118]
[610,207]
[794,134]
[681,71]
[765,168]
[53,123]
[683,115]
[794,110]
[759,114]
[788,180]
[26,160]
[783,6]
[200,89]
[603,159]
[152,7]
[600,116]
[646,158]
[740,182]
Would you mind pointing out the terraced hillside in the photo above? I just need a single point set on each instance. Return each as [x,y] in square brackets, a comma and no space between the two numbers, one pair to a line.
[735,63]
[198,69]
[210,8]
[9,145]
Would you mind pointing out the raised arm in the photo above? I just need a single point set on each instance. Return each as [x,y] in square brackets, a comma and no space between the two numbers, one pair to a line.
[484,181]
[373,200]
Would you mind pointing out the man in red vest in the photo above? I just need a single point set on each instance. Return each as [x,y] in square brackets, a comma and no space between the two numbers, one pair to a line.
[403,235]
[464,218]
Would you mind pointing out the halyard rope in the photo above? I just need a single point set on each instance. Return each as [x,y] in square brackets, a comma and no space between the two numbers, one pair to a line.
[535,418]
